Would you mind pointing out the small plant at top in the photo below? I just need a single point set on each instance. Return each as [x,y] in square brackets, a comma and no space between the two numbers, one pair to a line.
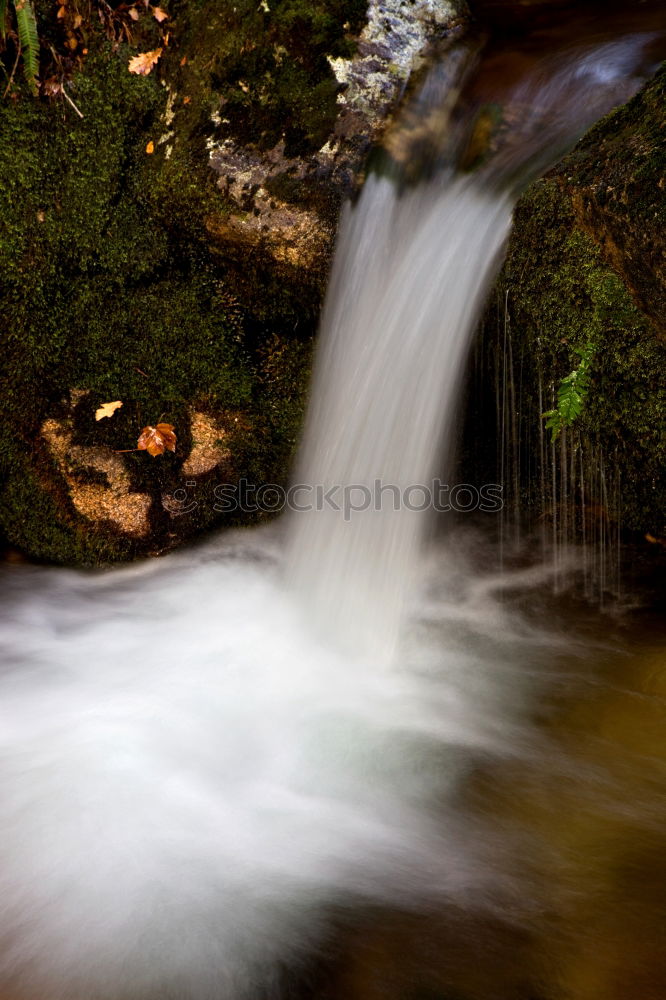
[25,34]
[571,393]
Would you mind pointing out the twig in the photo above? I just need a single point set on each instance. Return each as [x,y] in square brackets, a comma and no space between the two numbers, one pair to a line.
[11,79]
[68,98]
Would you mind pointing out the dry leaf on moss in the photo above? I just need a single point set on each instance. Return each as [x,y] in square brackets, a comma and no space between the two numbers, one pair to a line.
[154,440]
[159,14]
[144,62]
[107,409]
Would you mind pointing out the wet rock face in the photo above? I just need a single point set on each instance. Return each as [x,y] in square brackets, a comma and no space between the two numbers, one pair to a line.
[584,272]
[170,249]
[186,282]
[616,182]
[284,206]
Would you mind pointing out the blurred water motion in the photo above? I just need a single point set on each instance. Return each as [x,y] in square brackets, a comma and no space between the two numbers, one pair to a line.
[349,765]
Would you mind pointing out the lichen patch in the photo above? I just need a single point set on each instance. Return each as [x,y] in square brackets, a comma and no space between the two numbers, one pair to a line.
[110,501]
[209,445]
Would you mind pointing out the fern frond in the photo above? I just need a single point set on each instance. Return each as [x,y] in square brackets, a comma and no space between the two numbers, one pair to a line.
[571,394]
[26,24]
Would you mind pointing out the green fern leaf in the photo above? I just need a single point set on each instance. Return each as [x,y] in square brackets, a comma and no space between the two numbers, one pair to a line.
[569,400]
[26,24]
[571,394]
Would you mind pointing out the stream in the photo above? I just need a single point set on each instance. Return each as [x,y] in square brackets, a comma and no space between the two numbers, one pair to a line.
[354,755]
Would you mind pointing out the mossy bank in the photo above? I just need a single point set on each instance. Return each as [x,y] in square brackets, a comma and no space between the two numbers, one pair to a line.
[165,243]
[584,270]
[113,290]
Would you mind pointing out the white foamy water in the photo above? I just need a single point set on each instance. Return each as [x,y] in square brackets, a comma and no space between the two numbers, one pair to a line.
[189,781]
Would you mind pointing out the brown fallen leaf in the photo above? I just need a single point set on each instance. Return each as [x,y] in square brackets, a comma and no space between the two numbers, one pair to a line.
[144,62]
[186,100]
[52,87]
[159,14]
[133,13]
[107,409]
[155,439]
[150,147]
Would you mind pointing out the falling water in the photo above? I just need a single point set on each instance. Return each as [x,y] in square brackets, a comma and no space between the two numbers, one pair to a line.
[201,757]
[411,275]
[385,395]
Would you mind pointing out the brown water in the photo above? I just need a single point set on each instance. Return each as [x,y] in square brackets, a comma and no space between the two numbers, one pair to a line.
[585,837]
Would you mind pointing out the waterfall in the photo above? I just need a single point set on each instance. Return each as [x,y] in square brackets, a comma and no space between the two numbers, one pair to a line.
[412,271]
[411,274]
[203,757]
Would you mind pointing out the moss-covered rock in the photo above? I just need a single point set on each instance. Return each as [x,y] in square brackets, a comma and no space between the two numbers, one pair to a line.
[283,188]
[165,241]
[616,182]
[584,268]
[110,290]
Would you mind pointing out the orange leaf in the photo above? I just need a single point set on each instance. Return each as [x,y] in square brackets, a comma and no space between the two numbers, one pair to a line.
[133,13]
[144,62]
[155,439]
[159,14]
[186,100]
[150,148]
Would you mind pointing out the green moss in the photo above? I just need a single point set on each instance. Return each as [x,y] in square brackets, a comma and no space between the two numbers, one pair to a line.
[285,376]
[113,278]
[561,295]
[267,64]
[617,173]
[107,285]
